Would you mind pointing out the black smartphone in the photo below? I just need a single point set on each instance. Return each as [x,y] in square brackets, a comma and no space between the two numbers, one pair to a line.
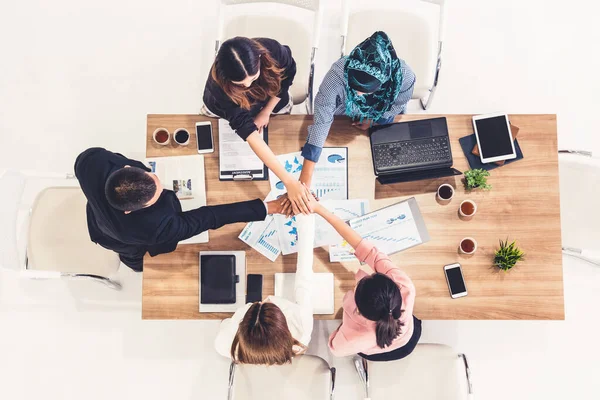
[254,288]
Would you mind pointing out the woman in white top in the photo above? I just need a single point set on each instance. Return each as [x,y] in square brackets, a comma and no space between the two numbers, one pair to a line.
[275,330]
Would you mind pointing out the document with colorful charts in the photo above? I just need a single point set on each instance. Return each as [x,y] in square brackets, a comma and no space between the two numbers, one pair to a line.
[262,236]
[393,228]
[329,182]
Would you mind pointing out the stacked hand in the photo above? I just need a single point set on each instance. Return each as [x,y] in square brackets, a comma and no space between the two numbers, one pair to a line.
[288,207]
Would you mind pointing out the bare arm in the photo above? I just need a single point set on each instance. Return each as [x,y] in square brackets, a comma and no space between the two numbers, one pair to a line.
[340,226]
[298,195]
[308,168]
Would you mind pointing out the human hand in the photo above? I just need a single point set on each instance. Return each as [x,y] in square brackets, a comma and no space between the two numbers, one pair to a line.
[364,125]
[286,204]
[275,207]
[261,120]
[314,200]
[299,197]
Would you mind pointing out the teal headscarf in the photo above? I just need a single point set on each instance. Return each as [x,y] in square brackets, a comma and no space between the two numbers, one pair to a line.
[376,57]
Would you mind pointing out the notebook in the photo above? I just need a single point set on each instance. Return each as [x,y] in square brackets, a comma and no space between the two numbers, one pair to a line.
[218,279]
[221,288]
[322,290]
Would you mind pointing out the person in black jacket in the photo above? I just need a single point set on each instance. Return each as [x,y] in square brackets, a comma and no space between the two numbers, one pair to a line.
[130,213]
[249,81]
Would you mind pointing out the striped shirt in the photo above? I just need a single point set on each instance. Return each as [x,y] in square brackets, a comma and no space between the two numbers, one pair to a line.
[331,100]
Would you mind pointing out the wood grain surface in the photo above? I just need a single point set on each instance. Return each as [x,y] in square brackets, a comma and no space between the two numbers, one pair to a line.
[523,205]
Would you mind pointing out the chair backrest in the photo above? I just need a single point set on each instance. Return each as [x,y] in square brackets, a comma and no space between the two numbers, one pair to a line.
[412,26]
[306,378]
[431,372]
[296,32]
[312,5]
[58,238]
[579,192]
[19,191]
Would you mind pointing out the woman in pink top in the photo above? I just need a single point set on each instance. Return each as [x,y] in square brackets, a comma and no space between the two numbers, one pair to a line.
[378,321]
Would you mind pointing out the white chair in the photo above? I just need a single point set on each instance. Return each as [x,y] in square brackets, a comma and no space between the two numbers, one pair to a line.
[431,372]
[302,38]
[579,194]
[44,231]
[416,29]
[305,378]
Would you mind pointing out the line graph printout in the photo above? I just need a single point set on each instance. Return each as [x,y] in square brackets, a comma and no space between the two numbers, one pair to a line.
[324,232]
[394,228]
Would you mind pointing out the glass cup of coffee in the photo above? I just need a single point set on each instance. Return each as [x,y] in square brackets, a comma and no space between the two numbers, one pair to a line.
[161,136]
[467,209]
[445,193]
[467,246]
[182,137]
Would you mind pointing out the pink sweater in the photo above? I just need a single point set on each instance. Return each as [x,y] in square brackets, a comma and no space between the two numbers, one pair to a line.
[356,334]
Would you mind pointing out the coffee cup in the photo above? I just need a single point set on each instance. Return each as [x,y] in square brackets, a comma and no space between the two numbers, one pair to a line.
[445,193]
[467,209]
[161,136]
[182,137]
[467,246]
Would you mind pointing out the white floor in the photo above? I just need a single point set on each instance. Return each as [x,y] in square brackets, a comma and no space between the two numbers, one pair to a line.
[80,74]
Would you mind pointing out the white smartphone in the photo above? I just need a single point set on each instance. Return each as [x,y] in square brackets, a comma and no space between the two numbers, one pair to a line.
[494,137]
[204,137]
[456,281]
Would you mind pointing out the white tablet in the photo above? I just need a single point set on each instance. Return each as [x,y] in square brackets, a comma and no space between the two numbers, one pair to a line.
[494,137]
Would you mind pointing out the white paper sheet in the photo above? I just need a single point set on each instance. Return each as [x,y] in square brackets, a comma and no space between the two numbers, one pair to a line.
[262,236]
[325,234]
[330,177]
[329,182]
[191,170]
[235,154]
[341,252]
[323,290]
[391,229]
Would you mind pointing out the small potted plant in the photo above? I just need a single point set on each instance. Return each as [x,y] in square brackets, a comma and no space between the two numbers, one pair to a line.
[476,178]
[507,256]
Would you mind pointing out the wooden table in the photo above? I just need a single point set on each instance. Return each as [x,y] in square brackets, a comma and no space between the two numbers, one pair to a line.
[523,205]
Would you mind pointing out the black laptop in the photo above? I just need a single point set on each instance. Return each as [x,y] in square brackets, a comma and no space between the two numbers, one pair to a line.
[411,151]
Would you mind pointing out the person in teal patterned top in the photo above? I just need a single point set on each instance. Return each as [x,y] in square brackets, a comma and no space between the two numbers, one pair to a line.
[371,85]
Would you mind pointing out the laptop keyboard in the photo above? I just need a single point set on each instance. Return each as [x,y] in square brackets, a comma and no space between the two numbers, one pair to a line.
[412,153]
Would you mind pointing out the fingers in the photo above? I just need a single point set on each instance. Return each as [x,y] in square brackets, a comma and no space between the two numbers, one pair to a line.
[302,207]
[295,208]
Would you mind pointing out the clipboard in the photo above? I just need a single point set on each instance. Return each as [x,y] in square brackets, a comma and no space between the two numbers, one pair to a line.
[242,174]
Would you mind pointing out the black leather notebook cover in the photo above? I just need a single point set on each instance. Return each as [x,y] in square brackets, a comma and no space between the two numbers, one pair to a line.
[468,142]
[217,279]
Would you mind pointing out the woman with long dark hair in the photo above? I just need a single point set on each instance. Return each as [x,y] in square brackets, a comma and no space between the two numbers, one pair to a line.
[378,321]
[250,80]
[371,85]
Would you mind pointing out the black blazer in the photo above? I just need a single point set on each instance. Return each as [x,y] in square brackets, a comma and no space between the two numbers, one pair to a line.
[241,120]
[156,229]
